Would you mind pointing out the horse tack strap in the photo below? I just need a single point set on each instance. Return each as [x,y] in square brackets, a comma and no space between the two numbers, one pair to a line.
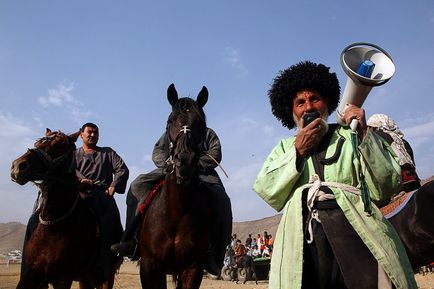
[144,206]
[51,222]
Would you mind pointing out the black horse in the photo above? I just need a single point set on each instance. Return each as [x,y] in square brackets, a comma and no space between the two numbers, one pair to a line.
[174,235]
[415,226]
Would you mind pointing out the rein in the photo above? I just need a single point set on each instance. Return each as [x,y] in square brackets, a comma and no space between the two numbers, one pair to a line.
[49,162]
[172,144]
[144,206]
[51,222]
[47,178]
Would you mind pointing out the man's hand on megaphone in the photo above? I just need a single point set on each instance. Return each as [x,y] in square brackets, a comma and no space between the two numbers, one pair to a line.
[354,112]
[309,137]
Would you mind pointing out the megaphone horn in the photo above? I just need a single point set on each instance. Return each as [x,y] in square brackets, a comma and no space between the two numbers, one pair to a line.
[366,65]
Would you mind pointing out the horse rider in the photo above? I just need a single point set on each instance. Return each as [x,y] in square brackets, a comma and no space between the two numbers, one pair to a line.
[387,128]
[240,251]
[218,200]
[325,179]
[104,167]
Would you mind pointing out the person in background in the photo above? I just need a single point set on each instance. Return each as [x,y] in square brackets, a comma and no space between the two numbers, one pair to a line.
[387,128]
[249,241]
[324,179]
[240,251]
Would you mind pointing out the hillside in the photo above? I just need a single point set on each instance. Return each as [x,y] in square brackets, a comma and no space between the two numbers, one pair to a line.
[12,233]
[11,236]
[243,229]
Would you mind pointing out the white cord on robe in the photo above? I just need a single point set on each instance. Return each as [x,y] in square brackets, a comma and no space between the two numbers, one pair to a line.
[315,194]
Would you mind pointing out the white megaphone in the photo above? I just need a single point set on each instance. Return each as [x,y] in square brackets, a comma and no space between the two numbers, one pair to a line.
[367,65]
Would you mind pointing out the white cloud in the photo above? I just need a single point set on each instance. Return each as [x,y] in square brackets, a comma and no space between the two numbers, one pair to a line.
[419,132]
[58,96]
[63,97]
[15,138]
[268,130]
[232,57]
[424,130]
[239,188]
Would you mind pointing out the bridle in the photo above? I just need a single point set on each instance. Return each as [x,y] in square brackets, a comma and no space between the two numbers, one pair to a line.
[51,165]
[171,160]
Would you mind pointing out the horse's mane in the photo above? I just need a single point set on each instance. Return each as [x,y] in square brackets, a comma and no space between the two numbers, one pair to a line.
[49,137]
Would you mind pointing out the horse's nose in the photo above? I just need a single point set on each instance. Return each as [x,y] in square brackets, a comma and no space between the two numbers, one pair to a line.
[19,167]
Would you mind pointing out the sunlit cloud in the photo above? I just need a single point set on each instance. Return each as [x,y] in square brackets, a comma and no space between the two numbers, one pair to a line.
[63,97]
[232,57]
[423,130]
[14,134]
[59,96]
[268,130]
[239,188]
[15,137]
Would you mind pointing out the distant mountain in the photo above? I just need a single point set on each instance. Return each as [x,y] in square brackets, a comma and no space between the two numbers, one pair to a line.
[269,225]
[11,236]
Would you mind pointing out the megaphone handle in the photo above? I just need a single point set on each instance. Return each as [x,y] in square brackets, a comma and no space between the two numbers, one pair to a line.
[353,125]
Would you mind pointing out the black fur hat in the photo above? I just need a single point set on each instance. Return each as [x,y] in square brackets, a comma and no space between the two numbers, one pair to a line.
[304,75]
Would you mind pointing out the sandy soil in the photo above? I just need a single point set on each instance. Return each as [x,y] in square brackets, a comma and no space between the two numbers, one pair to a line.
[129,278]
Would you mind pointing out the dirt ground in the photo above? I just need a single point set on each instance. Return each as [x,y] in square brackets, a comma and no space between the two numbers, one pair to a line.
[129,278]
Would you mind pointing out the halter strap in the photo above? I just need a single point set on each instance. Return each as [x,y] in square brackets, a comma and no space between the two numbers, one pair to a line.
[51,222]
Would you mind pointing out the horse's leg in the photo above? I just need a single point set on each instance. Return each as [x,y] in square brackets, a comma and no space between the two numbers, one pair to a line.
[62,284]
[84,285]
[191,278]
[31,280]
[108,284]
[150,276]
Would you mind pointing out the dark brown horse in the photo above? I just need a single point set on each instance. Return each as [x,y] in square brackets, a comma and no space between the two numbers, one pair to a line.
[64,245]
[174,234]
[415,226]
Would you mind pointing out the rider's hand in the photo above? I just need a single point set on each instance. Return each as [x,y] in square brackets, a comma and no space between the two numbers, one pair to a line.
[110,191]
[86,181]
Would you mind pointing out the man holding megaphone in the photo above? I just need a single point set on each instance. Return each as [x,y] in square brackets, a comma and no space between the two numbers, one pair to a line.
[330,235]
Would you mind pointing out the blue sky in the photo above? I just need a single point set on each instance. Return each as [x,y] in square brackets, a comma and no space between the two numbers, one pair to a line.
[63,63]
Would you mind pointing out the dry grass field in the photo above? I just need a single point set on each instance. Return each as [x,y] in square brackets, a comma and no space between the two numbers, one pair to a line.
[128,278]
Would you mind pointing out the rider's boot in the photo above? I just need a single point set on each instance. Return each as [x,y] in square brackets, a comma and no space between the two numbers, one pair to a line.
[128,242]
[220,233]
[211,265]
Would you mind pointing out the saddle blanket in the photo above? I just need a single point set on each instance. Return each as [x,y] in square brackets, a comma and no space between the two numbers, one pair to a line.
[395,206]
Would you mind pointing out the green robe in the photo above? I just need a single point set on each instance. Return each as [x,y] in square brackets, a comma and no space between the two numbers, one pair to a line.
[279,184]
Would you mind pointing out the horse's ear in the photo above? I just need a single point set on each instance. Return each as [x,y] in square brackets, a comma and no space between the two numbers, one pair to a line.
[172,94]
[202,98]
[47,131]
[75,135]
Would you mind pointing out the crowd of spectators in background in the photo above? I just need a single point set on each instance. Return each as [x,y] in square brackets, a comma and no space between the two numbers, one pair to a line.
[259,246]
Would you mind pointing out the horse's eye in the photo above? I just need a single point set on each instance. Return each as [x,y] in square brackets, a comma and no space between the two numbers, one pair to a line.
[187,110]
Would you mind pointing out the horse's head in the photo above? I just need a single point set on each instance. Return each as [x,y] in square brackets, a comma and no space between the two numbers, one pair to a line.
[186,128]
[51,154]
